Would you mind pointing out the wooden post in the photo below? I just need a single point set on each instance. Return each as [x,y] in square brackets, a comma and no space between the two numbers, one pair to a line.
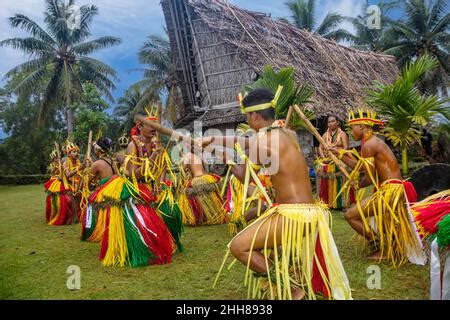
[313,130]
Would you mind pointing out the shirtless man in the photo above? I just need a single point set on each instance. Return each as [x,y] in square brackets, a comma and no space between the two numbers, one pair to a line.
[193,164]
[395,237]
[294,199]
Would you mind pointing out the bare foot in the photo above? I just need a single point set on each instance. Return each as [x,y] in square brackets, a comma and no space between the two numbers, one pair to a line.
[376,256]
[297,294]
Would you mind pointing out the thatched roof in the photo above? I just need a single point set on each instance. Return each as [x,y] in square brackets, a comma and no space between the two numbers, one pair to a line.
[219,47]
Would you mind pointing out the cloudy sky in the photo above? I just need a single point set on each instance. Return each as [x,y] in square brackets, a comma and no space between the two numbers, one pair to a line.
[133,21]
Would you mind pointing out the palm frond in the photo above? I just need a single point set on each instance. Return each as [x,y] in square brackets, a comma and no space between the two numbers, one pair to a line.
[28,25]
[94,45]
[330,22]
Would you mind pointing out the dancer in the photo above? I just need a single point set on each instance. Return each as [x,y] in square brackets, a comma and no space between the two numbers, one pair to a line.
[392,233]
[289,249]
[329,178]
[59,209]
[95,215]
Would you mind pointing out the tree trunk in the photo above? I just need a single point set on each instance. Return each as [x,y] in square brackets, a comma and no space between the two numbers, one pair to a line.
[404,161]
[69,115]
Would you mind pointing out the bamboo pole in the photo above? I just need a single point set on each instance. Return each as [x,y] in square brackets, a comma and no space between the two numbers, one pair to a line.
[88,152]
[313,130]
[59,157]
[288,117]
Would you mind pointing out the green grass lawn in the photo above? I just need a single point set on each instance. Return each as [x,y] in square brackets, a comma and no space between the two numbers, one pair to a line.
[35,258]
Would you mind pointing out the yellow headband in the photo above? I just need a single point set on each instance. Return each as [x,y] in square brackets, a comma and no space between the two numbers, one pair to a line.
[152,114]
[263,106]
[370,119]
[53,154]
[71,146]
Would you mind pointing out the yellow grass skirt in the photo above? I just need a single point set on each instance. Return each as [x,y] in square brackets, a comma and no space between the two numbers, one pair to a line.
[305,258]
[200,202]
[393,223]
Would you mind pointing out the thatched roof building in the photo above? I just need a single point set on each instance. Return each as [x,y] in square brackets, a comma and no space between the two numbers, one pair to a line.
[219,47]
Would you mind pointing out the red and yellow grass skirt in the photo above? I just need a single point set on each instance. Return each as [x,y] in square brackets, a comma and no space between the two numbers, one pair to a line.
[59,208]
[133,233]
[201,204]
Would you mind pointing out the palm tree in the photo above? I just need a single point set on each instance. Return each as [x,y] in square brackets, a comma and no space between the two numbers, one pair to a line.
[159,75]
[126,107]
[404,107]
[424,31]
[372,39]
[303,12]
[59,57]
[290,95]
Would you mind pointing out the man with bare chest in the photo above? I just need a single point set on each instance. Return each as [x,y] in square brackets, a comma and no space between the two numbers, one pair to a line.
[289,248]
[393,232]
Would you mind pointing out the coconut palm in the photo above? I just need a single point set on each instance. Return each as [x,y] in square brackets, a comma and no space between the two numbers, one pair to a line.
[159,75]
[404,107]
[59,56]
[127,107]
[424,31]
[303,17]
[372,39]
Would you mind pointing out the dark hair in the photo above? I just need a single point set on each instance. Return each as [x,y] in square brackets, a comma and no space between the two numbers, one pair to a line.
[260,96]
[104,143]
[334,116]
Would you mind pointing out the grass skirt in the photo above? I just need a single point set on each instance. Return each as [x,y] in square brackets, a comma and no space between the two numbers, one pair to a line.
[393,223]
[201,203]
[134,234]
[59,209]
[305,258]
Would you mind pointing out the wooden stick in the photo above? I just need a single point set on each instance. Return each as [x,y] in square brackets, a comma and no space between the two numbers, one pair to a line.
[288,117]
[59,157]
[88,152]
[165,131]
[316,134]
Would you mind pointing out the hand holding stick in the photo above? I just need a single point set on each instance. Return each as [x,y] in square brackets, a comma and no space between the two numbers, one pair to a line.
[316,134]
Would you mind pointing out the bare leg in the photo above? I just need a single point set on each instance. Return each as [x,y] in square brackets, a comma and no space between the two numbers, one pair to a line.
[240,247]
[354,219]
[241,244]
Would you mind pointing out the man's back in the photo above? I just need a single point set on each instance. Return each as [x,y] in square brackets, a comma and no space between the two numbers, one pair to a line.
[291,181]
